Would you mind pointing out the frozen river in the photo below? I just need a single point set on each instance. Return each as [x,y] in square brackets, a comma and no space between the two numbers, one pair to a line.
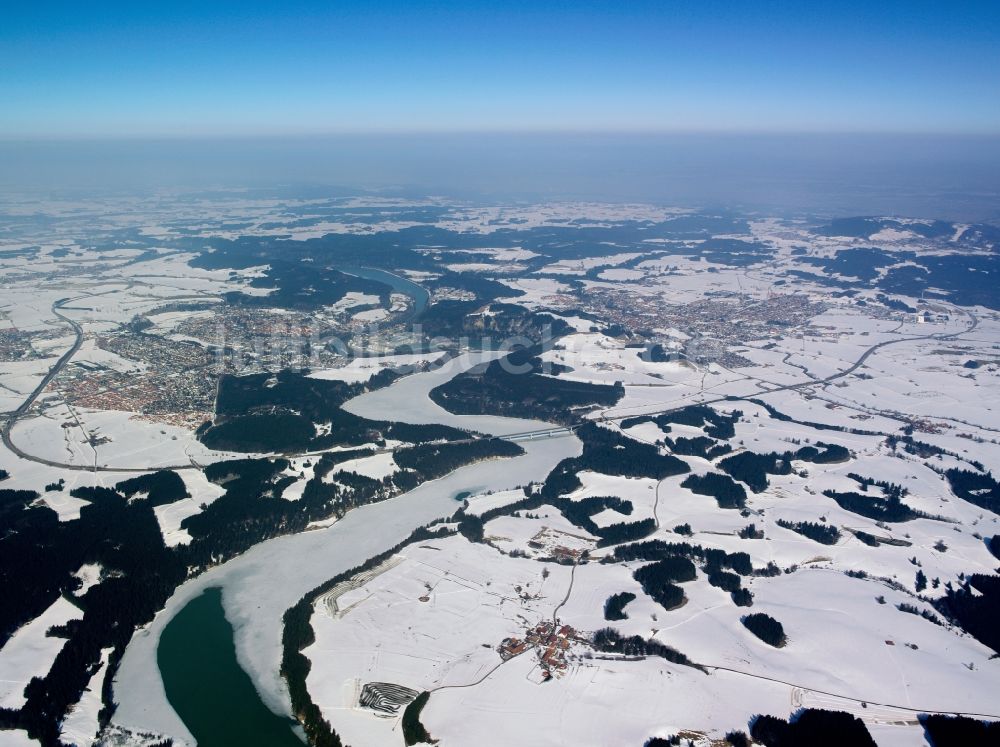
[258,586]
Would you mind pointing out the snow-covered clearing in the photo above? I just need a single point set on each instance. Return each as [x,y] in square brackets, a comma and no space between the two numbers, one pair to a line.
[30,652]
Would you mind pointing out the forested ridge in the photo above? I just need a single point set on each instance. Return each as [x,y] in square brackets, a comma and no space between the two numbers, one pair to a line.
[297,634]
[516,387]
[118,530]
[290,412]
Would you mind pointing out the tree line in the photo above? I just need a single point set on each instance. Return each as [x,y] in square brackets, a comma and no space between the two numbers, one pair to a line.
[118,529]
[825,534]
[515,387]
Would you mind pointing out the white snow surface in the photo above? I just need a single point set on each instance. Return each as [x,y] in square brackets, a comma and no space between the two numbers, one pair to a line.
[29,652]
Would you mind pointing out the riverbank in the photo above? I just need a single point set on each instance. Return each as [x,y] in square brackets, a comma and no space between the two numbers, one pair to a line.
[261,584]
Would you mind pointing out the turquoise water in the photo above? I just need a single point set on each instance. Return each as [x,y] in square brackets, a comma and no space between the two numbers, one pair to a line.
[192,643]
[206,685]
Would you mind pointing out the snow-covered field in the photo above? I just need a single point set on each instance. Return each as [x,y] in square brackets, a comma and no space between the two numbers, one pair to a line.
[30,652]
[434,618]
[839,360]
[109,439]
[362,369]
[850,647]
[430,621]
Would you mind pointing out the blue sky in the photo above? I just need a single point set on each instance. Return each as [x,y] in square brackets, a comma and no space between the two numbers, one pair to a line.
[251,68]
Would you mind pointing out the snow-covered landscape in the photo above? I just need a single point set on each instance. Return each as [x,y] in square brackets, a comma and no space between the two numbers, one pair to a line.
[596,474]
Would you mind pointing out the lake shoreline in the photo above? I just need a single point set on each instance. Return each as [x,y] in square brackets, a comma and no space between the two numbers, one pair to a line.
[258,586]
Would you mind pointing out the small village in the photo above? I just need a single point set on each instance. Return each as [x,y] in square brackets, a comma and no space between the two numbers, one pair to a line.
[551,642]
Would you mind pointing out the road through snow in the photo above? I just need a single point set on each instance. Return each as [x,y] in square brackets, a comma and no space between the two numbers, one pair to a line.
[258,586]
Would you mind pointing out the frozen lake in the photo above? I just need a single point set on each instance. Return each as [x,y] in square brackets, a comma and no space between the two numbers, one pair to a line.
[258,586]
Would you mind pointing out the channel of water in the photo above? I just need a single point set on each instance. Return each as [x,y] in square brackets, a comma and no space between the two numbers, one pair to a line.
[257,587]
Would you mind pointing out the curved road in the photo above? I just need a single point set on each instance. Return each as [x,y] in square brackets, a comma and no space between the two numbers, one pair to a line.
[974,322]
[526,435]
[53,372]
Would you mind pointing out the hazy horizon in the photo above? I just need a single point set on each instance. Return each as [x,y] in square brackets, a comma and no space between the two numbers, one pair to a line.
[545,372]
[949,177]
[853,108]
